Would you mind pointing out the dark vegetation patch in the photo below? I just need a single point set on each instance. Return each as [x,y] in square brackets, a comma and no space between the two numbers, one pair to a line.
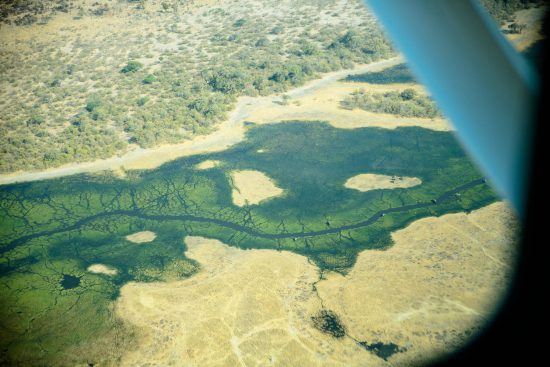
[329,322]
[382,350]
[396,74]
[132,67]
[69,281]
[27,12]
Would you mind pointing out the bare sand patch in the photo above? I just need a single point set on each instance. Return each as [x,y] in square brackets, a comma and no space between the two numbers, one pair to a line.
[252,187]
[371,181]
[102,269]
[243,308]
[141,237]
[439,282]
[208,164]
[532,18]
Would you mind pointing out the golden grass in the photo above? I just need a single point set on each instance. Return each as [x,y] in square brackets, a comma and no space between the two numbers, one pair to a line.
[252,187]
[141,237]
[439,282]
[371,181]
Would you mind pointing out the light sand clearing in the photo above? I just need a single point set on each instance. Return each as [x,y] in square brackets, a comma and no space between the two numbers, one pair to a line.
[244,308]
[141,237]
[442,278]
[252,187]
[102,269]
[532,18]
[208,164]
[324,105]
[371,181]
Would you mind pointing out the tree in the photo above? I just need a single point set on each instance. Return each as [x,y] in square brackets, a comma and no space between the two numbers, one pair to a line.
[92,104]
[227,81]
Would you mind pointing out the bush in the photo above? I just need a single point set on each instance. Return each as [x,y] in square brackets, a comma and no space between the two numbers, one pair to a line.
[149,79]
[277,30]
[132,67]
[240,22]
[35,120]
[262,42]
[141,101]
[408,94]
[92,104]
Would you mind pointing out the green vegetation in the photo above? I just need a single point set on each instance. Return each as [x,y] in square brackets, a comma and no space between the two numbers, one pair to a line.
[24,12]
[407,103]
[53,230]
[132,67]
[396,74]
[149,79]
[194,61]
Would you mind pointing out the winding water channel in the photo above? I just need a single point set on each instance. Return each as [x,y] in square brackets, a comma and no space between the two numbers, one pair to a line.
[240,228]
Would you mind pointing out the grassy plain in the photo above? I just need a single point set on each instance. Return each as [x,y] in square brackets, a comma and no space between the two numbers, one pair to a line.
[423,297]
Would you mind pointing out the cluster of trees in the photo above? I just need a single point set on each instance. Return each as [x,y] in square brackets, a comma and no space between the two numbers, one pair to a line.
[396,74]
[406,103]
[26,12]
[77,143]
[193,103]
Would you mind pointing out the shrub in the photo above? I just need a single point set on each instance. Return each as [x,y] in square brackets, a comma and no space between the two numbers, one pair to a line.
[92,104]
[277,30]
[149,79]
[141,101]
[240,22]
[35,120]
[408,94]
[132,67]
